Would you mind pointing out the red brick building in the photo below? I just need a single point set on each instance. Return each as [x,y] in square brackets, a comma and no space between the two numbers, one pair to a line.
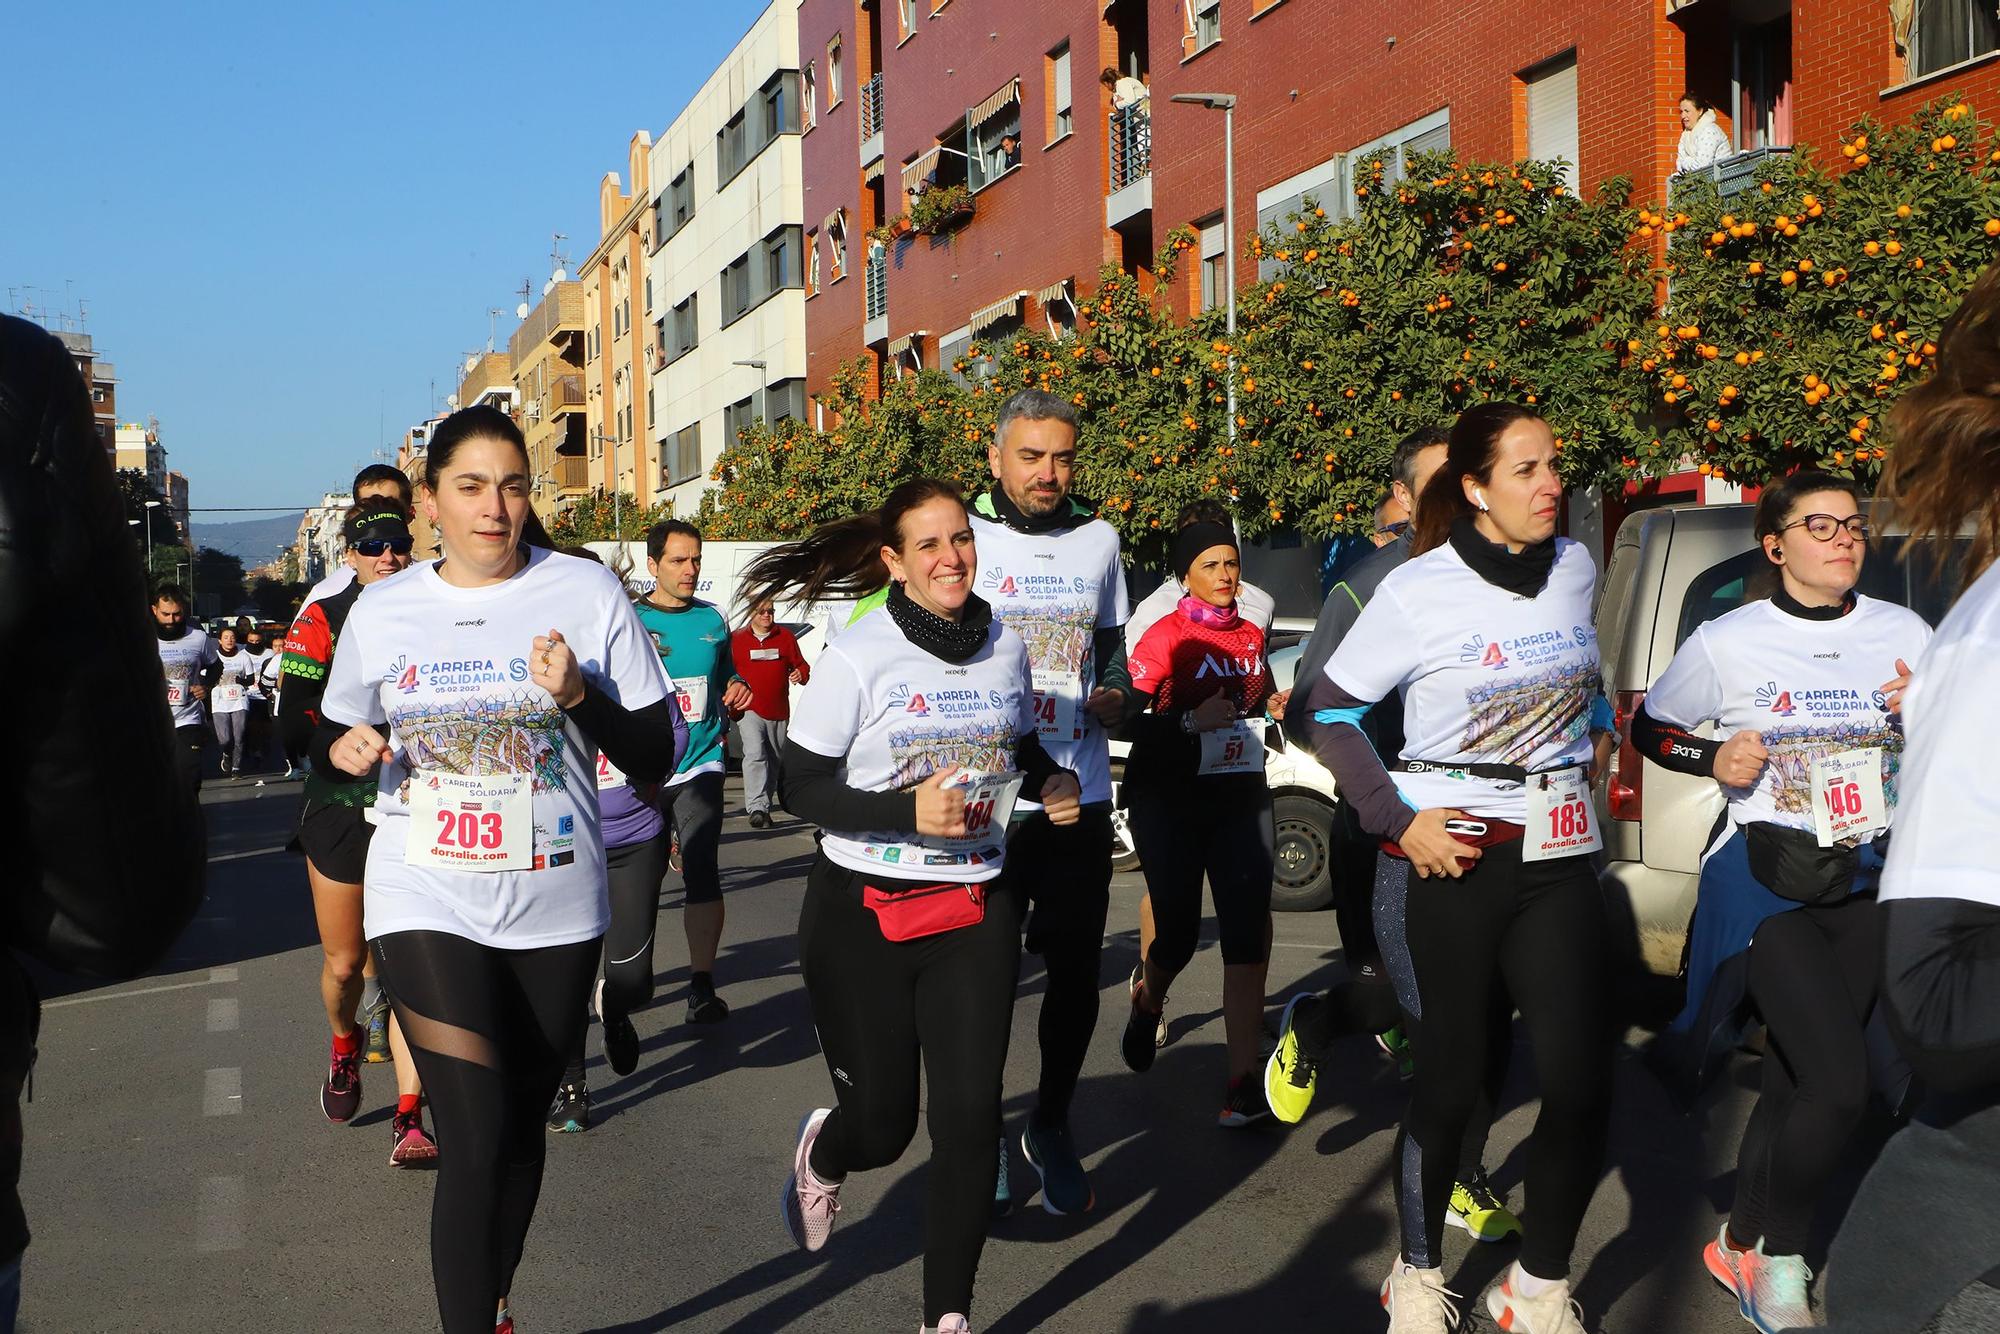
[911,95]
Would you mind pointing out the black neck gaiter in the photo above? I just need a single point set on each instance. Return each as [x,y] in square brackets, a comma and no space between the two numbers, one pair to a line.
[1521,572]
[953,641]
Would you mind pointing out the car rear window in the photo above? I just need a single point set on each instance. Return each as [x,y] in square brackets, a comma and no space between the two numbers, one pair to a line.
[1921,583]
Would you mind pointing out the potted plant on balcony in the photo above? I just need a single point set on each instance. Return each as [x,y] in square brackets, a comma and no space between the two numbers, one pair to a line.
[940,208]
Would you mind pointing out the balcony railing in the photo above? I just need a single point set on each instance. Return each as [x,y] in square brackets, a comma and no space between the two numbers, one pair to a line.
[877,275]
[1131,139]
[565,391]
[871,106]
[572,473]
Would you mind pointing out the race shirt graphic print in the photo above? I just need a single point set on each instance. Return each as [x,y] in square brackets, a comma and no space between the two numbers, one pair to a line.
[1810,688]
[899,715]
[1487,676]
[182,661]
[1056,590]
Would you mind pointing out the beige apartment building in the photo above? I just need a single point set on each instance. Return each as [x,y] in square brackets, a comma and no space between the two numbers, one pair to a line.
[547,352]
[617,418]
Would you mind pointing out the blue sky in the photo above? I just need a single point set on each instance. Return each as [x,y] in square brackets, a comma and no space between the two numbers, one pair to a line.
[287,220]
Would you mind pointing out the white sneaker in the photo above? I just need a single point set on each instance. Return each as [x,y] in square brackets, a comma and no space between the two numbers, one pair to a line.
[951,1324]
[809,1203]
[1771,1292]
[1418,1302]
[1552,1311]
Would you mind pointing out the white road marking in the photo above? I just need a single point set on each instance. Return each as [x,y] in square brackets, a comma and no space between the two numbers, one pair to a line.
[251,852]
[96,996]
[222,1091]
[222,973]
[218,1214]
[224,1015]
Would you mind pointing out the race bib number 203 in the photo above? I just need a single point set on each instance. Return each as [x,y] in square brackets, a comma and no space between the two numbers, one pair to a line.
[464,823]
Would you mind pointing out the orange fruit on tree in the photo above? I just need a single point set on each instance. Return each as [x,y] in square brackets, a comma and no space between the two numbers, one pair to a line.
[1756,268]
[1805,266]
[1893,247]
[1902,210]
[1788,277]
[1742,358]
[1871,248]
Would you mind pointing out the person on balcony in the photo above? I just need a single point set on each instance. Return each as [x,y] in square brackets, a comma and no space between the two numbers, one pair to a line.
[1126,91]
[1703,142]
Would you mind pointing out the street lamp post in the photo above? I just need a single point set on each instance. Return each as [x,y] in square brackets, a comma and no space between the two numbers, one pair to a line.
[760,407]
[617,524]
[150,505]
[1226,104]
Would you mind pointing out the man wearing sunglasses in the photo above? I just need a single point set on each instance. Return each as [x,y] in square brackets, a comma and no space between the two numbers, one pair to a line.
[333,834]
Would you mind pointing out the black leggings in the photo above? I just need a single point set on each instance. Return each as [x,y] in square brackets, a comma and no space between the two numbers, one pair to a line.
[1367,1003]
[694,809]
[634,871]
[1065,873]
[1814,975]
[1538,931]
[487,1028]
[879,1005]
[1222,832]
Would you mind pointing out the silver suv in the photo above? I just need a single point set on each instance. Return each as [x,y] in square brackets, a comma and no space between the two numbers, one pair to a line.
[1671,570]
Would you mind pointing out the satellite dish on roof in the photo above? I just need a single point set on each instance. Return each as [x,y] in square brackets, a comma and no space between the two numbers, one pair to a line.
[521,311]
[548,287]
[451,401]
[471,362]
[559,276]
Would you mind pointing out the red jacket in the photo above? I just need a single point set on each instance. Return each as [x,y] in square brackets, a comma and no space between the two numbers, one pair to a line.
[766,665]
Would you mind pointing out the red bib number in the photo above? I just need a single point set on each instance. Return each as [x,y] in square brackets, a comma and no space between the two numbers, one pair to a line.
[464,823]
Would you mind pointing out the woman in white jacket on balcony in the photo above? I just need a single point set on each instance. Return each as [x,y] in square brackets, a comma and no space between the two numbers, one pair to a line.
[1703,141]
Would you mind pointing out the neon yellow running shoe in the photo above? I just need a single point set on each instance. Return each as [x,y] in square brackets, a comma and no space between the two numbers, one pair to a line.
[1290,1075]
[1480,1210]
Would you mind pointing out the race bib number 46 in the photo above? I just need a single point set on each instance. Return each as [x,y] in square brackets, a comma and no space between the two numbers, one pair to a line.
[1847,795]
[1561,821]
[463,823]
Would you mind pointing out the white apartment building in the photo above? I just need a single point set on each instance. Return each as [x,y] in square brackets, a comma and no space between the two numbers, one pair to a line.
[137,448]
[320,543]
[724,283]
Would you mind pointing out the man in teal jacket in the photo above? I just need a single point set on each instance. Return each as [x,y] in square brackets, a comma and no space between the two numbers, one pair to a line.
[693,639]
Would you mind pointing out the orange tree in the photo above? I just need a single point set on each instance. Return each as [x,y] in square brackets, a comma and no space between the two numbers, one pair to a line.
[590,519]
[1799,309]
[1460,283]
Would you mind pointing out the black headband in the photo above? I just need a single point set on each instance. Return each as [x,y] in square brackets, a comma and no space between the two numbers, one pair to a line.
[1196,538]
[375,523]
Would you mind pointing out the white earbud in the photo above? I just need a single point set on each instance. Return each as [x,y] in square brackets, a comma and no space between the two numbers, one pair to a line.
[1480,492]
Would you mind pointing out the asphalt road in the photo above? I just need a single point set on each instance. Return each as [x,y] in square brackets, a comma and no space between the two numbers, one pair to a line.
[179,1175]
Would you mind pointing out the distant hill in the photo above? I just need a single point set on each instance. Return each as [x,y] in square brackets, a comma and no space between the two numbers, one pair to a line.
[252,541]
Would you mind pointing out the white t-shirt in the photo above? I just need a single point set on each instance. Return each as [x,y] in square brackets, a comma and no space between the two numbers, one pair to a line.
[183,660]
[1808,688]
[447,669]
[231,693]
[338,578]
[1946,828]
[897,715]
[1056,591]
[255,662]
[1253,604]
[1488,676]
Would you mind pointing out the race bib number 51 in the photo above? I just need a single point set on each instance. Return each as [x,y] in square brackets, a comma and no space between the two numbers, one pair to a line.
[464,823]
[1561,821]
[1235,749]
[1847,794]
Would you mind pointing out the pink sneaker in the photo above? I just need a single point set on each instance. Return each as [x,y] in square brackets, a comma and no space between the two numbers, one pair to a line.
[809,1203]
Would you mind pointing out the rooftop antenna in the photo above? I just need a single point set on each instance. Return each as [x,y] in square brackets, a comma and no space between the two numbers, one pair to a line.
[493,314]
[527,290]
[558,262]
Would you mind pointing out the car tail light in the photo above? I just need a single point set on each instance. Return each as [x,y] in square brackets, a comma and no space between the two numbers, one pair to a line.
[1625,785]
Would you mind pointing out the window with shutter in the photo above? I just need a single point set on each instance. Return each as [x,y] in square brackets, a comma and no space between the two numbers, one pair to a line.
[1552,130]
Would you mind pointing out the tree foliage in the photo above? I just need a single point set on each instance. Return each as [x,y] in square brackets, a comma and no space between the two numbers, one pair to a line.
[1775,331]
[590,519]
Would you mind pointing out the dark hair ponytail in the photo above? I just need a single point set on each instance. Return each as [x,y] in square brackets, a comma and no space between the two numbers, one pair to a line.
[1468,452]
[482,423]
[842,559]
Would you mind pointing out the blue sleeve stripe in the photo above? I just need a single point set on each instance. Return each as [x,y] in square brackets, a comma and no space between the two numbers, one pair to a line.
[1328,717]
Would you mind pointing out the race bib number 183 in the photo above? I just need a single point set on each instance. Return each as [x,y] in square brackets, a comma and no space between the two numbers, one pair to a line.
[1561,821]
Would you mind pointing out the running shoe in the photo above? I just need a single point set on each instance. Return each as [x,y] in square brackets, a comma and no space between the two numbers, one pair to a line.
[378,1032]
[621,1039]
[760,819]
[1481,1210]
[1051,1152]
[1244,1104]
[951,1324]
[1552,1311]
[1003,1192]
[1290,1075]
[809,1203]
[340,1096]
[674,853]
[569,1114]
[412,1147]
[704,1007]
[1771,1291]
[503,1322]
[1418,1302]
[1141,1042]
[1721,1260]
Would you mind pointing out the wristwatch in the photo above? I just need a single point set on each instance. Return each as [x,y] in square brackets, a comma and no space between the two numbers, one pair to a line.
[1187,723]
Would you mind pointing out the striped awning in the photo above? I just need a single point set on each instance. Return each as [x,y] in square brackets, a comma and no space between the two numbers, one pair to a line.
[898,346]
[1059,291]
[913,172]
[985,111]
[987,316]
[832,220]
[872,172]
